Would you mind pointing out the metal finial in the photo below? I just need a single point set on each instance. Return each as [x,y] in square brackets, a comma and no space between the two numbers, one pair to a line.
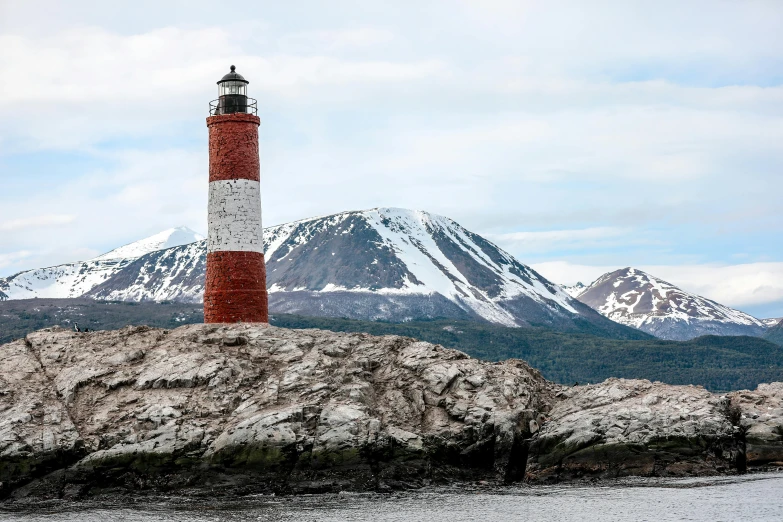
[233,68]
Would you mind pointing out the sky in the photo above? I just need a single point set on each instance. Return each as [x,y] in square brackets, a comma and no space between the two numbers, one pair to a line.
[581,137]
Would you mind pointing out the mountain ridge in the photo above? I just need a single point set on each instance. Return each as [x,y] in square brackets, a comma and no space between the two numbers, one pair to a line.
[378,264]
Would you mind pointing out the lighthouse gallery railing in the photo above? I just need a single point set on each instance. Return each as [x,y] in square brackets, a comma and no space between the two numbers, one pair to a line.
[232,106]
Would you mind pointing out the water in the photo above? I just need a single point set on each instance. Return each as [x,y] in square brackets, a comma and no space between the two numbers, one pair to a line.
[756,497]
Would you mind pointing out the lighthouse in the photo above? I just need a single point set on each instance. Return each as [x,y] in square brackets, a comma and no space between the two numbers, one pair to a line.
[235,288]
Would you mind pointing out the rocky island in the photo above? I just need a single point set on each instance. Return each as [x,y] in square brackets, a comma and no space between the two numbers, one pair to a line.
[223,410]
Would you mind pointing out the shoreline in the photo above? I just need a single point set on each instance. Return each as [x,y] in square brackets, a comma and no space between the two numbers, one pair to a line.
[155,502]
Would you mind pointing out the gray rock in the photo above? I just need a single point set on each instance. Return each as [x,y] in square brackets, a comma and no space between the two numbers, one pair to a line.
[250,408]
[255,408]
[761,418]
[635,427]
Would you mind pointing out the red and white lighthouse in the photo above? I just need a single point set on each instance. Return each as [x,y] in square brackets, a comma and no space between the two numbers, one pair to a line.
[235,289]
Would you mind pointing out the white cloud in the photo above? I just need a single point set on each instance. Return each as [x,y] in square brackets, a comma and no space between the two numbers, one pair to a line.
[10,258]
[144,194]
[600,37]
[647,127]
[548,240]
[649,140]
[319,42]
[566,273]
[92,85]
[736,285]
[89,64]
[46,220]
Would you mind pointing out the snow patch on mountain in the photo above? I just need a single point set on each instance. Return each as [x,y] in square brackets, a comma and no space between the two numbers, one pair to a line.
[412,237]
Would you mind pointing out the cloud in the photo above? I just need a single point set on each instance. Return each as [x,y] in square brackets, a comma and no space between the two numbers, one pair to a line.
[648,141]
[567,273]
[10,258]
[739,285]
[142,194]
[93,85]
[549,240]
[319,42]
[697,40]
[591,134]
[47,220]
[90,64]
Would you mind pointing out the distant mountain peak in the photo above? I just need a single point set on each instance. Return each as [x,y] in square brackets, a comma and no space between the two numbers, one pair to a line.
[406,253]
[635,298]
[575,289]
[168,238]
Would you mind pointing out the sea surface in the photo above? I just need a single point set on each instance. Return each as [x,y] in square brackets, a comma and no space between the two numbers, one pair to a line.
[748,498]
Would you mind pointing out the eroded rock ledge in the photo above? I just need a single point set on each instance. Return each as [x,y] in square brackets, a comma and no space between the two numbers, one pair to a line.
[240,409]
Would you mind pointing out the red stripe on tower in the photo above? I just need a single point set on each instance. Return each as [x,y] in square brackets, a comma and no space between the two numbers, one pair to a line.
[235,288]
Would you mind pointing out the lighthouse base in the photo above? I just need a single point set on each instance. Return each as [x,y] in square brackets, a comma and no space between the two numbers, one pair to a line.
[235,289]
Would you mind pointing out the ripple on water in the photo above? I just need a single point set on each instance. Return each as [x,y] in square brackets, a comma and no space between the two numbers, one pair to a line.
[754,497]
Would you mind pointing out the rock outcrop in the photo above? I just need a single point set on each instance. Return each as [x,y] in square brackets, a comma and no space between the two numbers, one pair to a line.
[760,415]
[245,408]
[256,409]
[629,427]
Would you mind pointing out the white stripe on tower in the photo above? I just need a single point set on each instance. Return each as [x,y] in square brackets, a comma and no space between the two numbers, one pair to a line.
[235,216]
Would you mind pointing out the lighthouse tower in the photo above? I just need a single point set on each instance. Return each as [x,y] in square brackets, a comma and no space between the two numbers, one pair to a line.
[235,289]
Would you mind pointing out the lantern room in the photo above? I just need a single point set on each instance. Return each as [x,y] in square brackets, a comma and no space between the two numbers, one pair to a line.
[232,95]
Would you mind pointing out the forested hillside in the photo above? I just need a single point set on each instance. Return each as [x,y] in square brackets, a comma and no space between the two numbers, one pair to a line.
[20,317]
[720,363]
[775,334]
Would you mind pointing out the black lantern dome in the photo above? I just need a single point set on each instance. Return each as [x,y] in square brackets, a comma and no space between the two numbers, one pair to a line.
[232,95]
[233,80]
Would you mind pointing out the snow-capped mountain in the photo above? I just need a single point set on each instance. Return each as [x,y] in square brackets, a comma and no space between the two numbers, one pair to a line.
[574,290]
[388,264]
[75,279]
[635,298]
[173,274]
[772,321]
